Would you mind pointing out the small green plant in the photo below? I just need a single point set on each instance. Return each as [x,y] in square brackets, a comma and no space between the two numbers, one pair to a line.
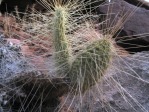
[89,66]
[59,37]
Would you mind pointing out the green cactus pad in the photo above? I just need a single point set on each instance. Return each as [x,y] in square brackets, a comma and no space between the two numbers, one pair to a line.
[88,67]
[61,43]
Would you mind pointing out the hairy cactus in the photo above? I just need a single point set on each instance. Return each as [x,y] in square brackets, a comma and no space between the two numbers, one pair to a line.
[89,66]
[59,37]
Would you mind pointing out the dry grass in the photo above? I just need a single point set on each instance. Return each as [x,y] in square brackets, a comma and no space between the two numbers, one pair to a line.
[81,32]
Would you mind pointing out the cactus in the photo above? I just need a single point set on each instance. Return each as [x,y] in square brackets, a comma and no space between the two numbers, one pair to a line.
[59,37]
[89,66]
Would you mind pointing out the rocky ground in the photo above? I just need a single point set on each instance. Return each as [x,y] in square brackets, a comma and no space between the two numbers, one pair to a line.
[123,89]
[29,85]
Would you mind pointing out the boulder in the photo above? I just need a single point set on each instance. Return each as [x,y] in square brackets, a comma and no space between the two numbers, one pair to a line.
[21,82]
[141,3]
[134,33]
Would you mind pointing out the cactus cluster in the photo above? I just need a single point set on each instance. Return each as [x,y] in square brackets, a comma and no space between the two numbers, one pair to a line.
[88,67]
